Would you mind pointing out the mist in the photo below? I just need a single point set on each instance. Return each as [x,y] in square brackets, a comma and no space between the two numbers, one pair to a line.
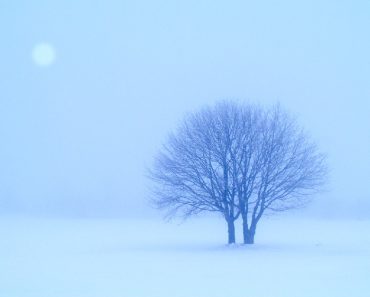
[78,135]
[89,92]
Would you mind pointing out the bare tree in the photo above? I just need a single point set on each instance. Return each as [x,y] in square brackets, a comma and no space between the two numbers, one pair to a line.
[236,160]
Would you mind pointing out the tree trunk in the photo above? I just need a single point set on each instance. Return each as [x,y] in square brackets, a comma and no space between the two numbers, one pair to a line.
[231,231]
[248,233]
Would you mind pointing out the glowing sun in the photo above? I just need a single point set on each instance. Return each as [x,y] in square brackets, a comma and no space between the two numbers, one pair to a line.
[43,54]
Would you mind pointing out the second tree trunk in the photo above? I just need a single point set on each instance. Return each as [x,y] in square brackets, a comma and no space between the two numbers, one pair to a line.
[248,233]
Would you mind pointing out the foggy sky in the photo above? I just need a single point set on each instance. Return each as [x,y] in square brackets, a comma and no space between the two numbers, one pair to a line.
[77,137]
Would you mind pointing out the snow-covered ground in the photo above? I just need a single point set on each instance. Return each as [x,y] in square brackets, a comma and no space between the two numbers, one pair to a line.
[149,258]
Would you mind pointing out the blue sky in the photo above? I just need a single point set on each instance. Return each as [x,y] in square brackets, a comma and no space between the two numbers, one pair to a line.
[77,136]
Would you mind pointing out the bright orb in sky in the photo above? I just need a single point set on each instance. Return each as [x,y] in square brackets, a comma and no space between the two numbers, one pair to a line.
[43,54]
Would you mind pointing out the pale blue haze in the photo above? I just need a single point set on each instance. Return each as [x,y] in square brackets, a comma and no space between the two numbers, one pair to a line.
[76,137]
